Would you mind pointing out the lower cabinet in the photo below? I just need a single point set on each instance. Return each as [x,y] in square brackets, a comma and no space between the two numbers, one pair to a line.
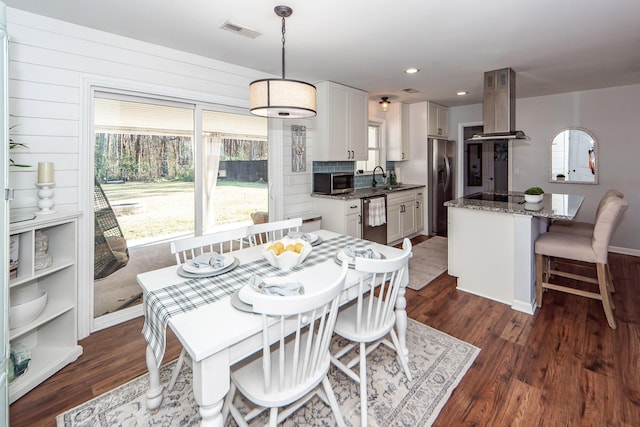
[339,215]
[405,214]
[419,210]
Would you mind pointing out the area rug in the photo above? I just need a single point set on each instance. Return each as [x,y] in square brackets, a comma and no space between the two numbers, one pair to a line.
[437,362]
[429,261]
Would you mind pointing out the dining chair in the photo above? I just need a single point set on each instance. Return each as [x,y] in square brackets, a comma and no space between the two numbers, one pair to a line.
[271,231]
[293,365]
[368,322]
[220,242]
[582,228]
[591,250]
[186,249]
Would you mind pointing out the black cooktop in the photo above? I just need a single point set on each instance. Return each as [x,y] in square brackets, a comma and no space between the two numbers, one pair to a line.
[492,197]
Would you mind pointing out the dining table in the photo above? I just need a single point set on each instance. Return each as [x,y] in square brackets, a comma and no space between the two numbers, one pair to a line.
[202,314]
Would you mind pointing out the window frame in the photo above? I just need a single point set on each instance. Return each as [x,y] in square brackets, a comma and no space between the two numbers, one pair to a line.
[145,93]
[382,149]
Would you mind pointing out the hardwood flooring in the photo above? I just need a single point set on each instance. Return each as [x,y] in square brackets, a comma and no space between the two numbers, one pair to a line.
[563,366]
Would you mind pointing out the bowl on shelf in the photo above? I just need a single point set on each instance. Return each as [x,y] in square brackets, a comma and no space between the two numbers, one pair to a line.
[533,198]
[286,259]
[26,306]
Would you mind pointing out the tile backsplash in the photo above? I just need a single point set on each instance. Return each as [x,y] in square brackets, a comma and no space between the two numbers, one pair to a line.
[361,181]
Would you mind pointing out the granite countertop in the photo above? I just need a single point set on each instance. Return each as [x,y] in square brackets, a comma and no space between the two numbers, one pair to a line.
[553,205]
[360,193]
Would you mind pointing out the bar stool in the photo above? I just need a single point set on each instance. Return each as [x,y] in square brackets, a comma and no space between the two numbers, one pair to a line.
[582,228]
[593,250]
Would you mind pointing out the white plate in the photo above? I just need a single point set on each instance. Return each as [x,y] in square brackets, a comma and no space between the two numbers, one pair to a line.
[312,238]
[246,294]
[341,257]
[189,275]
[204,259]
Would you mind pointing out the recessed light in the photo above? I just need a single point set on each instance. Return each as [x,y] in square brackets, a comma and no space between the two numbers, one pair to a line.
[462,93]
[411,70]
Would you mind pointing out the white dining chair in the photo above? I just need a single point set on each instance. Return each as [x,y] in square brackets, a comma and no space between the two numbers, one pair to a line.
[293,365]
[271,231]
[220,242]
[186,249]
[368,322]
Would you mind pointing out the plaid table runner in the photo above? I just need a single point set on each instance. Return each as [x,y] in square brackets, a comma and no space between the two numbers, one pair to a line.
[161,304]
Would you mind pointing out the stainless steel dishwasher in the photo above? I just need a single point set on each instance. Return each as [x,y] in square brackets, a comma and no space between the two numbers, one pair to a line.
[377,233]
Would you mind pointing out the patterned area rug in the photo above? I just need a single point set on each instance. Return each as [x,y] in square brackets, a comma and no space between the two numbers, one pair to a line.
[437,362]
[429,260]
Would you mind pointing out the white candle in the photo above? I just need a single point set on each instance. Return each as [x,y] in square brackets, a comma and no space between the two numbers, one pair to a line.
[45,173]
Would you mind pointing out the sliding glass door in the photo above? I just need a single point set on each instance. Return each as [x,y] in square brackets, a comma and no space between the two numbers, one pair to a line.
[167,170]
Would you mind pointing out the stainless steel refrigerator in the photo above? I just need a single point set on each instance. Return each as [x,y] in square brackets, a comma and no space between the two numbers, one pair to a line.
[442,167]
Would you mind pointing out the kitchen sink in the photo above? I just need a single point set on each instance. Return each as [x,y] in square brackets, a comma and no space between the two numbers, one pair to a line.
[394,187]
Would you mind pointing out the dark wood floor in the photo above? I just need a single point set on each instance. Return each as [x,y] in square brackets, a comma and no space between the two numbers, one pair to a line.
[563,366]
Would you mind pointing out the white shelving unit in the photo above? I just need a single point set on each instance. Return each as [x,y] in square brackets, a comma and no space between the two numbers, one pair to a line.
[53,336]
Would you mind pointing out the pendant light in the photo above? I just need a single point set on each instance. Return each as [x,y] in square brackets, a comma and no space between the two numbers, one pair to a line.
[282,98]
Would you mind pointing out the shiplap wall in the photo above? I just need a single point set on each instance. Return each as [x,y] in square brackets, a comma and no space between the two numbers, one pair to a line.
[51,65]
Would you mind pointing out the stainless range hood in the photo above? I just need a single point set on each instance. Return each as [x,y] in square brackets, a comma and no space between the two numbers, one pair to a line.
[499,107]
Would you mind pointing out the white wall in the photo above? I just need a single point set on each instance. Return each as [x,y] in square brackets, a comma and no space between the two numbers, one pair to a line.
[611,115]
[51,65]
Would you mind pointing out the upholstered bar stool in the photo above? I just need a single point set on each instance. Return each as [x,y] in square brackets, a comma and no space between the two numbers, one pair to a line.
[582,228]
[585,228]
[593,250]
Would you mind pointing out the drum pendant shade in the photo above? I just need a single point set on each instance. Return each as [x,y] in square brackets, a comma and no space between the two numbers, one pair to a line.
[282,98]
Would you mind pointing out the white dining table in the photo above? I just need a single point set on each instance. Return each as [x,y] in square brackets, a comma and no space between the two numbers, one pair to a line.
[217,335]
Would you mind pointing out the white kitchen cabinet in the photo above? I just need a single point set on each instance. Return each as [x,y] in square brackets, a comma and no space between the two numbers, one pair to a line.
[339,215]
[342,123]
[52,337]
[401,215]
[419,210]
[398,132]
[437,120]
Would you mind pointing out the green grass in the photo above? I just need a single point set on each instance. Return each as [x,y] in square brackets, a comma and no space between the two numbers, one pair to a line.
[167,208]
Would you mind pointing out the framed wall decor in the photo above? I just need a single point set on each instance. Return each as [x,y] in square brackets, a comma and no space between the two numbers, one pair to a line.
[298,148]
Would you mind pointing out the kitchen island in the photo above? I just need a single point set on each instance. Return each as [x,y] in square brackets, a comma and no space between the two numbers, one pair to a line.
[491,243]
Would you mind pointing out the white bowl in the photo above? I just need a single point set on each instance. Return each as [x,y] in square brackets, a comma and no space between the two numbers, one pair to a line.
[286,260]
[533,198]
[533,206]
[26,306]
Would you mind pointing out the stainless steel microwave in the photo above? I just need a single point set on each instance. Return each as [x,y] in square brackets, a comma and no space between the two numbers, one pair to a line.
[333,183]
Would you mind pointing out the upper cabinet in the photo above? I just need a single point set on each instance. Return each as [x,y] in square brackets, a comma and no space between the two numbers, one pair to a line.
[398,131]
[342,122]
[437,120]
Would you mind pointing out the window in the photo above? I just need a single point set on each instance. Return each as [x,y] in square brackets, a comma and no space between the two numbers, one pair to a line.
[171,170]
[375,149]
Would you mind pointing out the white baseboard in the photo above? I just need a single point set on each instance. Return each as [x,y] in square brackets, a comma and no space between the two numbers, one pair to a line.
[117,317]
[524,307]
[624,251]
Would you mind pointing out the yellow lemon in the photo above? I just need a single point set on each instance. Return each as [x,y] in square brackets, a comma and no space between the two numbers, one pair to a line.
[279,245]
[290,248]
[299,247]
[273,248]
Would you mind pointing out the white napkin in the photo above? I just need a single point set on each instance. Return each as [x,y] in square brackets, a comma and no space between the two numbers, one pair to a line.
[299,235]
[208,260]
[352,252]
[274,285]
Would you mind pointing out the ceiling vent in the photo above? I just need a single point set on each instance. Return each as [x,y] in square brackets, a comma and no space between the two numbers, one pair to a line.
[239,29]
[409,90]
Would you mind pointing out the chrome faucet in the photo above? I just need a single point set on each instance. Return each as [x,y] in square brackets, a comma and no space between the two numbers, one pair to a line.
[374,182]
